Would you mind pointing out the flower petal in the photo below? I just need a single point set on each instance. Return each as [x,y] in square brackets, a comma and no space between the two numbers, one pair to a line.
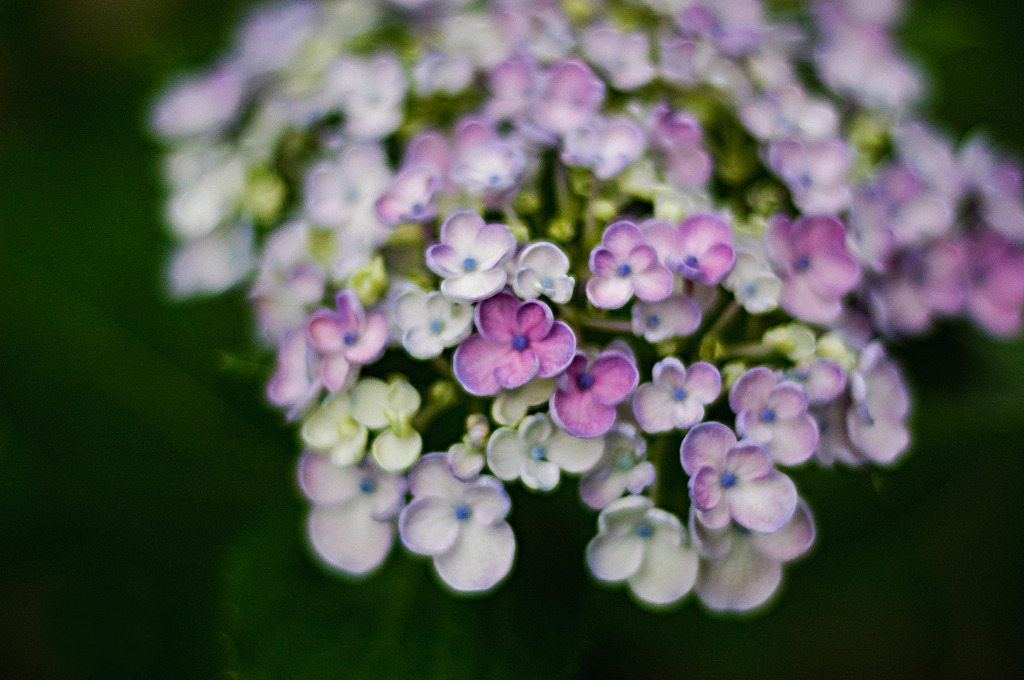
[615,558]
[667,574]
[763,505]
[348,538]
[428,526]
[481,557]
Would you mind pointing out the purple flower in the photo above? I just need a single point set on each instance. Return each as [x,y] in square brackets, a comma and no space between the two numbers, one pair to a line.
[471,256]
[484,163]
[815,173]
[626,57]
[201,104]
[676,398]
[822,378]
[461,525]
[919,284]
[351,524]
[995,283]
[816,269]
[790,112]
[295,384]
[625,264]
[622,468]
[411,196]
[773,413]
[876,418]
[676,316]
[513,85]
[570,97]
[644,546]
[346,338]
[699,248]
[730,480]
[584,401]
[678,137]
[740,569]
[605,146]
[517,342]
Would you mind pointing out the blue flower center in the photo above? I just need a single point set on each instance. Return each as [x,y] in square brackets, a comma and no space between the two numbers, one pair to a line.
[350,338]
[804,180]
[728,479]
[585,381]
[624,270]
[768,415]
[494,179]
[690,261]
[653,321]
[538,453]
[368,485]
[469,264]
[520,342]
[679,394]
[462,512]
[416,208]
[644,530]
[750,289]
[436,326]
[802,264]
[546,282]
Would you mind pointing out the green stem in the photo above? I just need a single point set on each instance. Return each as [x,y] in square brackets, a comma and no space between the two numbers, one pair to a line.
[753,349]
[607,324]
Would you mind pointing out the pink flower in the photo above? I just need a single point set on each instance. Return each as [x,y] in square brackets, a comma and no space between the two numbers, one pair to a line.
[623,265]
[699,248]
[517,342]
[584,400]
[345,338]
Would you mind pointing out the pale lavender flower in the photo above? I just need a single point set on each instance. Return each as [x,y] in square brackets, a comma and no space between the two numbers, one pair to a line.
[351,525]
[815,173]
[678,135]
[272,35]
[919,284]
[876,418]
[207,181]
[295,383]
[734,27]
[371,92]
[822,378]
[644,546]
[485,163]
[625,57]
[605,146]
[537,452]
[676,397]
[741,569]
[678,315]
[429,322]
[448,74]
[345,339]
[513,85]
[289,282]
[735,481]
[570,96]
[751,280]
[470,256]
[773,413]
[518,341]
[584,401]
[816,269]
[678,59]
[699,248]
[202,104]
[621,468]
[996,182]
[623,265]
[790,113]
[337,192]
[461,525]
[995,283]
[543,269]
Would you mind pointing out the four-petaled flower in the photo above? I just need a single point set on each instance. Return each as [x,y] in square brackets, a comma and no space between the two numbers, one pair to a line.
[518,341]
[461,525]
[773,413]
[470,256]
[536,452]
[584,401]
[677,396]
[625,264]
[732,480]
[346,338]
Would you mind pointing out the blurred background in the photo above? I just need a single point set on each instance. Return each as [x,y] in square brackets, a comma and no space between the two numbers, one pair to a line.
[149,522]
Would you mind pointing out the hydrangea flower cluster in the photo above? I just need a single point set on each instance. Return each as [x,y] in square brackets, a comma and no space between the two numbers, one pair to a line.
[624,242]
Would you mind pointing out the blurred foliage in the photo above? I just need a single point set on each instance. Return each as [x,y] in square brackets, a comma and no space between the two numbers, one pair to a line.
[150,521]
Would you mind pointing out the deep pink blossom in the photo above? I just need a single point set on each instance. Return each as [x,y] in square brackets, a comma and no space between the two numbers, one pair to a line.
[584,400]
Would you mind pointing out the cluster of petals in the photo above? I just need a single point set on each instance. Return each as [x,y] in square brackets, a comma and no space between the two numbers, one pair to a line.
[470,256]
[623,467]
[625,265]
[677,395]
[429,322]
[676,316]
[607,147]
[346,339]
[537,452]
[460,525]
[700,248]
[773,412]
[517,342]
[543,269]
[588,391]
[732,480]
[816,269]
[645,547]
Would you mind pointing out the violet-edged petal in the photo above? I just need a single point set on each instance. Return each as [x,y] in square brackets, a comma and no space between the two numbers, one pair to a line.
[752,389]
[793,439]
[615,376]
[741,581]
[429,525]
[495,317]
[348,538]
[791,541]
[487,501]
[763,505]
[370,344]
[473,366]
[555,350]
[579,414]
[431,477]
[706,488]
[325,483]
[481,557]
[706,445]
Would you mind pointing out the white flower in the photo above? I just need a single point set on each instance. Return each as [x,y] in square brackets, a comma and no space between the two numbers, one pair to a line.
[461,525]
[510,406]
[429,322]
[645,547]
[389,407]
[751,279]
[536,452]
[543,269]
[337,192]
[332,430]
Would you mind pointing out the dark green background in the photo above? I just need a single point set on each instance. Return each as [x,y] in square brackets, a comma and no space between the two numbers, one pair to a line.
[149,525]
